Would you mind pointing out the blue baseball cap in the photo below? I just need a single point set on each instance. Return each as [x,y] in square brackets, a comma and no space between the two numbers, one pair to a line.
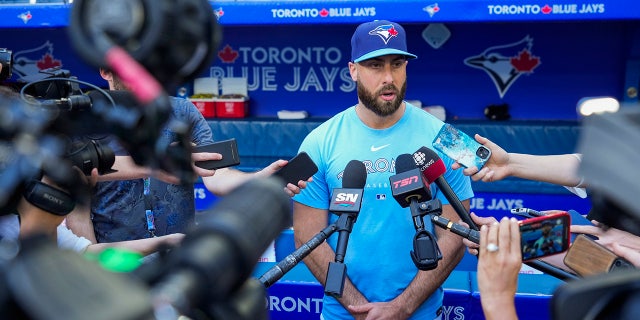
[378,38]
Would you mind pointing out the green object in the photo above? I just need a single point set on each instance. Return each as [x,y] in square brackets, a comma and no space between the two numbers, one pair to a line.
[117,260]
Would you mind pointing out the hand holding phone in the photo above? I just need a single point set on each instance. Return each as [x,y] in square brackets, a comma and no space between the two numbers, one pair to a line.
[300,167]
[460,147]
[539,237]
[587,257]
[545,235]
[227,148]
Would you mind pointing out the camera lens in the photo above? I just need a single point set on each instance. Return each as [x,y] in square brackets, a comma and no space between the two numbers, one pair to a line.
[87,154]
[482,152]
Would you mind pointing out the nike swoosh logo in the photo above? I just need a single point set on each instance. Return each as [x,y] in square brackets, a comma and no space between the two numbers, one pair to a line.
[374,148]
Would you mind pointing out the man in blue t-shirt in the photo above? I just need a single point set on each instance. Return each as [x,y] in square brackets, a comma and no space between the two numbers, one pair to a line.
[382,280]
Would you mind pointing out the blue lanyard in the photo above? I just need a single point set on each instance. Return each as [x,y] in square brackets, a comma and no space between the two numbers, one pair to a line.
[149,207]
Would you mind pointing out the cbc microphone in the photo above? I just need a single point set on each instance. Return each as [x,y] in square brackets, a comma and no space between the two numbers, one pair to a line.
[346,203]
[433,169]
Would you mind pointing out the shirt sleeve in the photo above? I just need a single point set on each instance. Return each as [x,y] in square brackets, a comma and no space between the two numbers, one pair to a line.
[70,241]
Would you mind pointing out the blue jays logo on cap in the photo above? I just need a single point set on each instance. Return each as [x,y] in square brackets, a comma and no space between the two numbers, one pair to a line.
[378,38]
[385,32]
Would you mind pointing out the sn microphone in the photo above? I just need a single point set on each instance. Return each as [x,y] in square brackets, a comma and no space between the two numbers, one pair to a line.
[433,169]
[346,203]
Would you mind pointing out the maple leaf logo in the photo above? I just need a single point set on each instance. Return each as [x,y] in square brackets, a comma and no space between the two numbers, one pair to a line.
[525,62]
[546,9]
[324,12]
[47,62]
[228,55]
[505,63]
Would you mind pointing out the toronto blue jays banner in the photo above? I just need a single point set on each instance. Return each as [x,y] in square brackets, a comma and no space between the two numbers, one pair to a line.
[539,70]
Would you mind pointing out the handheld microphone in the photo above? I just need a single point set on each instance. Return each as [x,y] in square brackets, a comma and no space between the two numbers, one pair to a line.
[432,167]
[409,188]
[346,203]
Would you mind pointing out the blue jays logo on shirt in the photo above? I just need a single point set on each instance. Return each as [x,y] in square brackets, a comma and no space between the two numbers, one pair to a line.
[506,63]
[385,32]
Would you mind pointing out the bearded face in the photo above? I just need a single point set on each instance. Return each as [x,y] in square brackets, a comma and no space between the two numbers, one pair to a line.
[118,84]
[372,101]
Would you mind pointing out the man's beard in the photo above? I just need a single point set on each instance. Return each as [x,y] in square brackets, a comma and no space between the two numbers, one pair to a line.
[382,109]
[118,84]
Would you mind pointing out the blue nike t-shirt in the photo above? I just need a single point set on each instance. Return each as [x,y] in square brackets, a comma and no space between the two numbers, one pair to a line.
[377,258]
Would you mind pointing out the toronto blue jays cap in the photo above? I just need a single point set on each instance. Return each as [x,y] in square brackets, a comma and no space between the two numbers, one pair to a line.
[378,38]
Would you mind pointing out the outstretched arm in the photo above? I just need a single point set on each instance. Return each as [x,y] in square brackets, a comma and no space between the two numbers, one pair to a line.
[557,169]
[226,179]
[144,246]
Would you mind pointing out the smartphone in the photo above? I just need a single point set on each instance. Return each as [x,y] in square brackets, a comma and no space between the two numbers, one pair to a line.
[544,236]
[300,167]
[587,257]
[227,148]
[460,147]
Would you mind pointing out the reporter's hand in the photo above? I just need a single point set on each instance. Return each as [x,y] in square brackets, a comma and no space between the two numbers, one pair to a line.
[290,188]
[498,269]
[204,156]
[608,237]
[631,255]
[472,247]
[496,168]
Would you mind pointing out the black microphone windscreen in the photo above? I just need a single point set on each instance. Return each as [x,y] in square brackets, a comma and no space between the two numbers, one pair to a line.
[404,163]
[355,175]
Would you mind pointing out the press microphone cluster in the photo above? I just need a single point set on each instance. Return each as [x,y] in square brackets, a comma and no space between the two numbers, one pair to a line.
[409,188]
[433,169]
[346,203]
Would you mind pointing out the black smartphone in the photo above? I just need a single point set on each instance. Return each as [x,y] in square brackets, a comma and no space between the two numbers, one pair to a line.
[544,236]
[300,167]
[227,148]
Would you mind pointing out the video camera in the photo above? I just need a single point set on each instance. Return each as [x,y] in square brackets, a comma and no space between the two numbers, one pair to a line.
[607,167]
